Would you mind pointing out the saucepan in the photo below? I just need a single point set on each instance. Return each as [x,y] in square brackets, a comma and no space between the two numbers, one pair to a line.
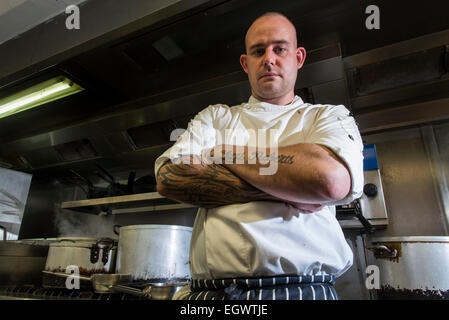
[153,291]
[101,282]
[121,283]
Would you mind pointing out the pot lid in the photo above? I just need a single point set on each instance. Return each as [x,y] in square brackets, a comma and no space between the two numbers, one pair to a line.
[81,242]
[157,226]
[76,239]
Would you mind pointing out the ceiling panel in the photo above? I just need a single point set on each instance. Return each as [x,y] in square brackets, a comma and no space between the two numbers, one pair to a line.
[19,16]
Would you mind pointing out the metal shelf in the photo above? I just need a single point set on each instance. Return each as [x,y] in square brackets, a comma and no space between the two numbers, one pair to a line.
[141,202]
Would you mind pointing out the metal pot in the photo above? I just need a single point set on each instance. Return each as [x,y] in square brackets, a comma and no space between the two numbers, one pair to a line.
[153,291]
[101,282]
[90,255]
[158,253]
[412,267]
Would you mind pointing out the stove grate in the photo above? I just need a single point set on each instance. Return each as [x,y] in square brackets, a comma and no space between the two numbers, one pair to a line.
[30,292]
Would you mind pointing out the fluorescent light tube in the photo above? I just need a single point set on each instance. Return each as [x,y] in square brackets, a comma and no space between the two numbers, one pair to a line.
[37,95]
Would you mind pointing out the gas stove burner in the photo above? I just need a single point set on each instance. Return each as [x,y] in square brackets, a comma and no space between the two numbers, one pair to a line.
[35,293]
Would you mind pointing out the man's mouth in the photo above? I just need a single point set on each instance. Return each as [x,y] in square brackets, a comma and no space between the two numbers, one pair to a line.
[269,75]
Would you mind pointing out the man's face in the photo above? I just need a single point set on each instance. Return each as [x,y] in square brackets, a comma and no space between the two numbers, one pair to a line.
[272,60]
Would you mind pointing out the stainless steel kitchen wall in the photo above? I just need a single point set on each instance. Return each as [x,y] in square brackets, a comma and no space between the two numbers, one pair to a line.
[411,181]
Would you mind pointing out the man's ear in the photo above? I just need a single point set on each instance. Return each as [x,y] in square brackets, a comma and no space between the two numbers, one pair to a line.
[300,56]
[243,58]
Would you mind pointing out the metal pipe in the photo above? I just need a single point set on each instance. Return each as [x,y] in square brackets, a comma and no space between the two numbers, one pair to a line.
[363,235]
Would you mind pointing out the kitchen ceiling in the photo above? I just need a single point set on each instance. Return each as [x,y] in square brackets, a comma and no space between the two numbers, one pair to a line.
[145,72]
[19,16]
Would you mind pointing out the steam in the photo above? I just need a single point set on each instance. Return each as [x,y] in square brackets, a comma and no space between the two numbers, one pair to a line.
[75,224]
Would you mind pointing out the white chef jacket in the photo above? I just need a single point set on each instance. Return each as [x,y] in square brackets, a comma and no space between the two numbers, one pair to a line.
[264,238]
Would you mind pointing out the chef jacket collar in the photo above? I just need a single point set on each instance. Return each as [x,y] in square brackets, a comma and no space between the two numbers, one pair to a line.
[297,101]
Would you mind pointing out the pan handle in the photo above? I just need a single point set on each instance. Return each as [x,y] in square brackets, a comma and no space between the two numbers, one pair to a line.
[108,244]
[116,229]
[124,289]
[382,251]
[66,275]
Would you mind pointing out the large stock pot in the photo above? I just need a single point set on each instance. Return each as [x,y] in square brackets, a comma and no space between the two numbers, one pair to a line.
[90,255]
[412,267]
[154,253]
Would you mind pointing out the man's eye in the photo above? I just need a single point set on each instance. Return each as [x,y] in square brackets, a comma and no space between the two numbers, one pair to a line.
[258,52]
[280,50]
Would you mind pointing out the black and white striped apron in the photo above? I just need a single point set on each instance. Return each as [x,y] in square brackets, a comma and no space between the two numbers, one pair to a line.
[318,287]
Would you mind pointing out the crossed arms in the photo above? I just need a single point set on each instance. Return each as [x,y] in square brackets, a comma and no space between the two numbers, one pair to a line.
[308,175]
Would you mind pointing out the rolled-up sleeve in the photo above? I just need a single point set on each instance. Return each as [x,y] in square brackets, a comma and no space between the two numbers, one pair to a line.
[199,134]
[337,130]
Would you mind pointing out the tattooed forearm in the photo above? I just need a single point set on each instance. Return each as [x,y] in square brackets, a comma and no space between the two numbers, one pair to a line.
[230,157]
[286,159]
[209,186]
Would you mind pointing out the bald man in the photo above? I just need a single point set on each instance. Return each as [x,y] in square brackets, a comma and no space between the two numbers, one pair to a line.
[272,59]
[266,176]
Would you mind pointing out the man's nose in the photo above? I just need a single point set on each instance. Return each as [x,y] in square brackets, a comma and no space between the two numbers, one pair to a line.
[269,58]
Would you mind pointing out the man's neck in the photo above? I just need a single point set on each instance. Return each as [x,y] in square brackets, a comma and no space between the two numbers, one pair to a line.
[280,101]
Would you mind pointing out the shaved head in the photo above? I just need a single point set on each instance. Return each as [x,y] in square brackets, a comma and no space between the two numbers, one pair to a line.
[272,58]
[266,15]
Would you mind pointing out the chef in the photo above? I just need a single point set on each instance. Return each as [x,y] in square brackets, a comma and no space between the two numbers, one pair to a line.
[266,176]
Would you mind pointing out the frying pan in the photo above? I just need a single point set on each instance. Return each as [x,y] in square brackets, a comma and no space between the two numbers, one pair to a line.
[101,282]
[119,283]
[154,291]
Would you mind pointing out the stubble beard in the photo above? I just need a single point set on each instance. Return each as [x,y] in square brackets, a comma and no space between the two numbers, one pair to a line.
[270,91]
